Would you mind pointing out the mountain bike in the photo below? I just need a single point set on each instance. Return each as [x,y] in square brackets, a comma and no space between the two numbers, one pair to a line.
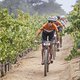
[46,54]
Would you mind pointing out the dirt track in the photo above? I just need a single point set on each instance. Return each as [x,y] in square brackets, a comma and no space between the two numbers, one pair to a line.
[30,67]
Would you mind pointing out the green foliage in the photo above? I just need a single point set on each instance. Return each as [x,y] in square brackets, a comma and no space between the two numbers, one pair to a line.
[17,34]
[68,30]
[74,30]
[78,43]
[76,24]
[74,54]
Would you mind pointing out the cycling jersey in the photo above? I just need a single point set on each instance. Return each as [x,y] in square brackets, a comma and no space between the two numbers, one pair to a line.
[47,28]
[63,23]
[64,20]
[58,24]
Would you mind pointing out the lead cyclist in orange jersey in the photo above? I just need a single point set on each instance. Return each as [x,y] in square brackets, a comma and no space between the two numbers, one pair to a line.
[48,29]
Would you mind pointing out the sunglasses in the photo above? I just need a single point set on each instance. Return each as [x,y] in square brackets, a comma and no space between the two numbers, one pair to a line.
[50,21]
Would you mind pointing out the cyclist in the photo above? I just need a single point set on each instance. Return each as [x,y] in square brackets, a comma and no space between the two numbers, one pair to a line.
[60,27]
[48,29]
[61,19]
[58,23]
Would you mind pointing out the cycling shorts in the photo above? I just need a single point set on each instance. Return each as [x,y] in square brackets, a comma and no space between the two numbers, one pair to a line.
[59,29]
[46,34]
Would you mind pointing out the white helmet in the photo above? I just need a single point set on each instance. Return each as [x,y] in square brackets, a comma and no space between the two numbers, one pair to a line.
[52,19]
[55,18]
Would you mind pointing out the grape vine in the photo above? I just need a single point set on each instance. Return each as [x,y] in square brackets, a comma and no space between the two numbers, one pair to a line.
[74,30]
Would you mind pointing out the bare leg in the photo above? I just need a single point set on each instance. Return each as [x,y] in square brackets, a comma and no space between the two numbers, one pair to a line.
[50,52]
[42,55]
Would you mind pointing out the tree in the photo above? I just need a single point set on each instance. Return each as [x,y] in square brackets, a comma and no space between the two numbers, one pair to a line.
[32,6]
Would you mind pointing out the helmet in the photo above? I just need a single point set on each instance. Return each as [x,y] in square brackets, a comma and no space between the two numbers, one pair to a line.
[51,19]
[55,18]
[58,17]
[62,16]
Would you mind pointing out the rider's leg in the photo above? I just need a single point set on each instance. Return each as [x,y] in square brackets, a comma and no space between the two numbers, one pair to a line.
[42,55]
[58,44]
[51,38]
[44,38]
[50,52]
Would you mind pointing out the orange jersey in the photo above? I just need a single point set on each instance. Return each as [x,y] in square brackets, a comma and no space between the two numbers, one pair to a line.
[47,27]
[58,23]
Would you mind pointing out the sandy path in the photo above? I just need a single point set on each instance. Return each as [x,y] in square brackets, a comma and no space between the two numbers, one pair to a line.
[30,67]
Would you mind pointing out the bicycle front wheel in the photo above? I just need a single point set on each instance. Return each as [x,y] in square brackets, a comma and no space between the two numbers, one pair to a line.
[54,51]
[60,41]
[46,65]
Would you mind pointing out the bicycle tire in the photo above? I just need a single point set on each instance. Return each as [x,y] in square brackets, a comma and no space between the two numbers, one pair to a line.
[60,41]
[46,66]
[48,61]
[56,44]
[54,51]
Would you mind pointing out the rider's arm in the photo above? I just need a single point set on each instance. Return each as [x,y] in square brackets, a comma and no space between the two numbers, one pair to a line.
[40,30]
[60,23]
[56,29]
